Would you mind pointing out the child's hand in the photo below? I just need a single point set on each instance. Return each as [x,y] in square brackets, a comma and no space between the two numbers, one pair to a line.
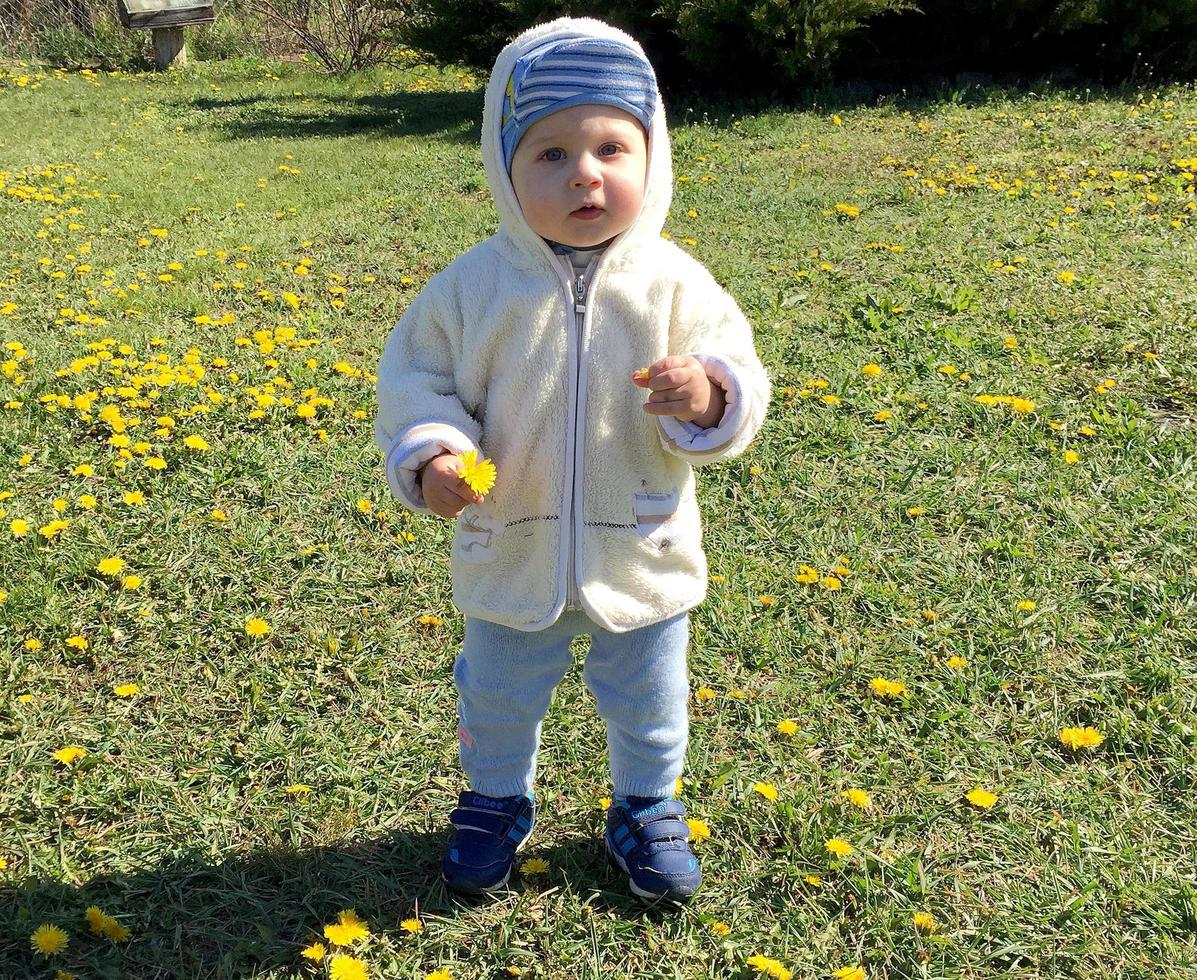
[680,387]
[444,491]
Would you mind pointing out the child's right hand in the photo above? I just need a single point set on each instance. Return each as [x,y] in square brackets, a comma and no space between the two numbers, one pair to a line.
[445,492]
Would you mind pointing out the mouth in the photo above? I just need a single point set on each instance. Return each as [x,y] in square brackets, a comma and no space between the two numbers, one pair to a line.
[587,213]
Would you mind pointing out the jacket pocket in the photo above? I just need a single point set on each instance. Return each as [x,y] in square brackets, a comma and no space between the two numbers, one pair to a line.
[654,515]
[476,535]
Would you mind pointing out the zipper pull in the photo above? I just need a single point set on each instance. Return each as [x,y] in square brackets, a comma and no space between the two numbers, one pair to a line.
[580,294]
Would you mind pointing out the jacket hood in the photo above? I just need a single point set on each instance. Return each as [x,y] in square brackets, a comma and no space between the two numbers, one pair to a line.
[659,177]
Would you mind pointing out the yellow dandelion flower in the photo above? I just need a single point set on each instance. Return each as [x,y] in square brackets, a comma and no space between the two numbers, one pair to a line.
[19,528]
[69,753]
[1071,456]
[930,615]
[78,642]
[704,694]
[915,511]
[850,973]
[720,929]
[956,662]
[535,866]
[219,515]
[315,952]
[134,498]
[198,443]
[411,925]
[1081,738]
[839,847]
[441,974]
[700,830]
[767,790]
[883,416]
[347,968]
[125,690]
[981,798]
[428,619]
[787,726]
[478,475]
[256,627]
[831,583]
[131,582]
[815,881]
[925,922]
[1026,605]
[766,600]
[49,940]
[887,688]
[858,798]
[298,789]
[110,566]
[347,930]
[605,803]
[768,967]
[871,370]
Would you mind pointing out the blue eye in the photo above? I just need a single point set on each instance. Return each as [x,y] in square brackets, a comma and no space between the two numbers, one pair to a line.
[609,149]
[553,154]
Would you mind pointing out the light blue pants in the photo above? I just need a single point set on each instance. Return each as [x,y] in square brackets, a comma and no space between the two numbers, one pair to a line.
[505,680]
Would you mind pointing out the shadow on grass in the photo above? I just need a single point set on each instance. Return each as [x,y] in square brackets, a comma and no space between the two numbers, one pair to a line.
[194,919]
[453,117]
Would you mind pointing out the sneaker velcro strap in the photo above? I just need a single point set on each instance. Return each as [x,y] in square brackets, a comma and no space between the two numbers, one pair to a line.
[486,821]
[660,823]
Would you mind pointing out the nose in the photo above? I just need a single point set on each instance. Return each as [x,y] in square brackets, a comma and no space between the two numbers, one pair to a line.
[587,173]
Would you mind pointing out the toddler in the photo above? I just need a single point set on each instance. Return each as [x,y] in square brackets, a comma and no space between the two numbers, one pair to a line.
[595,363]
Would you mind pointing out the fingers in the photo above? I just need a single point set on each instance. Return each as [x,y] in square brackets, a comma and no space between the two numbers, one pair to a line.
[679,407]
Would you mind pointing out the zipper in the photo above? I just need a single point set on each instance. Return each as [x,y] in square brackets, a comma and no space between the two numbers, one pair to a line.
[579,298]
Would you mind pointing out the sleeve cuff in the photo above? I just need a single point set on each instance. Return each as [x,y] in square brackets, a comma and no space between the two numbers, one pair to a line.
[694,439]
[412,449]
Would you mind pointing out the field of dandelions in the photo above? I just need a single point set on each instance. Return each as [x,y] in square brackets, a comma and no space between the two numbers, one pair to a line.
[942,689]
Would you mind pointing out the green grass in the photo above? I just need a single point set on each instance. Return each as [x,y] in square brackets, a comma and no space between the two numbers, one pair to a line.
[178,822]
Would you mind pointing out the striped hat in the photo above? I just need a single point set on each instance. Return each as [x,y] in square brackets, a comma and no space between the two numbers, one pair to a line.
[576,71]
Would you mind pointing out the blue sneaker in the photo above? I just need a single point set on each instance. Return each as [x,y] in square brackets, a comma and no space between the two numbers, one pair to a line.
[648,839]
[489,832]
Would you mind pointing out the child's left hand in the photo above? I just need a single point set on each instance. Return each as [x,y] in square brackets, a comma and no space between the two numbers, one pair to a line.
[680,387]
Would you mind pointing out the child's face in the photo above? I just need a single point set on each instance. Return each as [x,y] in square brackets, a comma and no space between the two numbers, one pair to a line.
[579,174]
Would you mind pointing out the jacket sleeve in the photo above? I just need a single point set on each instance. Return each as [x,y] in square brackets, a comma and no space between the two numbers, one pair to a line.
[709,326]
[419,412]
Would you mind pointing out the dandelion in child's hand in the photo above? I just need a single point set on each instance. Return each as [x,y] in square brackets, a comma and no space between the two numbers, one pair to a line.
[641,374]
[478,475]
[48,940]
[1081,738]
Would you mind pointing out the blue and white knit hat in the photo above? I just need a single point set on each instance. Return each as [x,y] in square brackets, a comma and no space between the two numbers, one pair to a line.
[576,71]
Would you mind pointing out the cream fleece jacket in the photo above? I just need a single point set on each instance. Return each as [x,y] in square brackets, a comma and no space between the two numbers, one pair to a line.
[594,503]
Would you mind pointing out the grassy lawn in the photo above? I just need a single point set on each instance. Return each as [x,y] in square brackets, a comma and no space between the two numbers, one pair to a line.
[924,571]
